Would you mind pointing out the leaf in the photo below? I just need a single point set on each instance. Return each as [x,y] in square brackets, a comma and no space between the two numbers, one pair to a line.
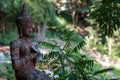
[106,15]
[48,45]
[102,71]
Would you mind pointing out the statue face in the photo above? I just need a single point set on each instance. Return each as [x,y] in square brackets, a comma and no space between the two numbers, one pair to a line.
[27,30]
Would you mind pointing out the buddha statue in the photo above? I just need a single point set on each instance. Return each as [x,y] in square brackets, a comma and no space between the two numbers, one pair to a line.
[23,53]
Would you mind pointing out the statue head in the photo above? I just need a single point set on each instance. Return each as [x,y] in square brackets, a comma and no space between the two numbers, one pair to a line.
[24,23]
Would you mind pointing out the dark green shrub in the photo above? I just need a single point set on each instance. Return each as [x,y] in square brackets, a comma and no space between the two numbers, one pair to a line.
[7,71]
[6,38]
[69,64]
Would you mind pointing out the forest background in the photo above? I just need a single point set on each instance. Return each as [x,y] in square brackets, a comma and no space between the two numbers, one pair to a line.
[90,25]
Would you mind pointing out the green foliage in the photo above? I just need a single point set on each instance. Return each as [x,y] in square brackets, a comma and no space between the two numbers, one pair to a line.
[10,9]
[40,12]
[116,51]
[37,9]
[116,72]
[102,71]
[6,38]
[70,35]
[102,49]
[7,71]
[107,16]
[68,63]
[63,30]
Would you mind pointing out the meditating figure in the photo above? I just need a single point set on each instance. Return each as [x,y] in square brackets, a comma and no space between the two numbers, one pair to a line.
[23,53]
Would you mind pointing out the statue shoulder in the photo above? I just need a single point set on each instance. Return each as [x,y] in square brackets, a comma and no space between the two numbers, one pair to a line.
[15,43]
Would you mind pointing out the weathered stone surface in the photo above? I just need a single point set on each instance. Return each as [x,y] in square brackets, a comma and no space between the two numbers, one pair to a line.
[23,55]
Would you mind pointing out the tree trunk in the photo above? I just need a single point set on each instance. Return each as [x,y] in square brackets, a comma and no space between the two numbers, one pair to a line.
[41,31]
[73,17]
[110,43]
[2,26]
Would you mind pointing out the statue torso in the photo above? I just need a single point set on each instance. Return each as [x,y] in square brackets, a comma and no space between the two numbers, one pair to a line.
[23,64]
[25,50]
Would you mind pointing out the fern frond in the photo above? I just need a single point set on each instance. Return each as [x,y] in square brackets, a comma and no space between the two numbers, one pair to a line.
[67,45]
[48,45]
[79,46]
[102,71]
[51,55]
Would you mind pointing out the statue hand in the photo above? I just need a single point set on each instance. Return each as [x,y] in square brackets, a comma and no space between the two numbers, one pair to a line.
[35,49]
[33,56]
[39,57]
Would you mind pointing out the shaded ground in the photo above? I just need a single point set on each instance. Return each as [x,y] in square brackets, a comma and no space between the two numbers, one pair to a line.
[104,60]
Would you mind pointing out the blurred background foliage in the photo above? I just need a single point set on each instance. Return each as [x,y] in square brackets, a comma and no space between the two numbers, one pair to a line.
[94,21]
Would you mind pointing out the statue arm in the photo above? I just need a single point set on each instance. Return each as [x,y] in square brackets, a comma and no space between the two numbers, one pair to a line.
[17,61]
